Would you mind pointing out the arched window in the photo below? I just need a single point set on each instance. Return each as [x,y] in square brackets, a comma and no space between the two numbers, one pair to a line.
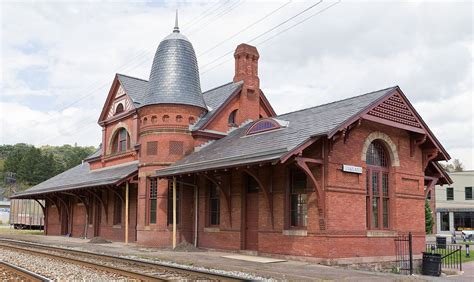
[191,120]
[263,125]
[119,109]
[232,118]
[377,186]
[121,141]
[166,118]
[179,118]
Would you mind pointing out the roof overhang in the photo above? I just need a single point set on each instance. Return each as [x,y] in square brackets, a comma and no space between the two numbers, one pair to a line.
[223,163]
[113,181]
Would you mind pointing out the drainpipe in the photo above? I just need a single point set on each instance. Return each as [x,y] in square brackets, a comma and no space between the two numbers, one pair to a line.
[126,211]
[174,213]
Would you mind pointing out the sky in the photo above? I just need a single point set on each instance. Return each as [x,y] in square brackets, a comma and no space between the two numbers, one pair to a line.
[58,58]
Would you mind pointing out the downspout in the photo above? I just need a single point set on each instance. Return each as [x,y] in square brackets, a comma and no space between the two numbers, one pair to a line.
[174,212]
[126,211]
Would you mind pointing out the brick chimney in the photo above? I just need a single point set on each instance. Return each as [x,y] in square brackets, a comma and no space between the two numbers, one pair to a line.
[246,66]
[246,70]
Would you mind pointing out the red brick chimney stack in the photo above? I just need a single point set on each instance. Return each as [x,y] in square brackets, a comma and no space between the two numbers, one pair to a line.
[246,66]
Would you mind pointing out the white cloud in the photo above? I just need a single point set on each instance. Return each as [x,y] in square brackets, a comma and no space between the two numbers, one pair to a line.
[352,48]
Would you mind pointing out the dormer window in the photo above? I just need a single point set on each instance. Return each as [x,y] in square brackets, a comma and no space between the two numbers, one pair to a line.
[264,125]
[119,109]
[232,118]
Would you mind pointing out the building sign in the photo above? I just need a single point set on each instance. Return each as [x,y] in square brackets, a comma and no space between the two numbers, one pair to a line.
[352,169]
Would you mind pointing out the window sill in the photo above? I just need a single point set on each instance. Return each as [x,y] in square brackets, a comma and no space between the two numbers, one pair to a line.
[212,229]
[295,232]
[117,226]
[381,233]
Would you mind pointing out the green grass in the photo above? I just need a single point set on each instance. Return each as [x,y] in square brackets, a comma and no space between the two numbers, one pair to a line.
[18,231]
[463,255]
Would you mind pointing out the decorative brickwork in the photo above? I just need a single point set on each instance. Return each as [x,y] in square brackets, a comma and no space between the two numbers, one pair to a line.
[391,147]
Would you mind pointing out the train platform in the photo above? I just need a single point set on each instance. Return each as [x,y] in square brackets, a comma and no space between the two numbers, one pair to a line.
[279,269]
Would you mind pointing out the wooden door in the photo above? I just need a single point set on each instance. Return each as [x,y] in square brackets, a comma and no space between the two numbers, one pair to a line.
[251,215]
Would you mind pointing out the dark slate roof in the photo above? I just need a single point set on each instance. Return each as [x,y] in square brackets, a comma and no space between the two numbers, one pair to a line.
[81,177]
[174,75]
[215,98]
[238,149]
[136,88]
[94,155]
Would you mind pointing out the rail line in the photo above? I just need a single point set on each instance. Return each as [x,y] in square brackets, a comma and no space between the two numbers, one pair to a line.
[13,272]
[134,268]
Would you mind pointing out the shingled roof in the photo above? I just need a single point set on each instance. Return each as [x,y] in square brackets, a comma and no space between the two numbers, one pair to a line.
[238,148]
[136,89]
[81,176]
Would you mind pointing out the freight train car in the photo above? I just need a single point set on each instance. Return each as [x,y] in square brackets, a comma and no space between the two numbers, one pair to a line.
[26,214]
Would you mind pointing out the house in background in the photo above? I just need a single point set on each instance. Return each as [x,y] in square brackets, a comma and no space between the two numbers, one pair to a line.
[455,203]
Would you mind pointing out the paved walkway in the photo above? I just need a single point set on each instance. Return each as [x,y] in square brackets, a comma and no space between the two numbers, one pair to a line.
[288,270]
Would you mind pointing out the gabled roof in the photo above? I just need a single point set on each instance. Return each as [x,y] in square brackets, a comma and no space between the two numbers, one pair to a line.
[81,176]
[136,88]
[215,98]
[237,148]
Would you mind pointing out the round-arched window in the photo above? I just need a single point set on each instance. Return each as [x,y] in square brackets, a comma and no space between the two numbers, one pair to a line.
[179,118]
[154,119]
[376,155]
[119,109]
[121,141]
[191,120]
[377,186]
[145,121]
[232,120]
[166,118]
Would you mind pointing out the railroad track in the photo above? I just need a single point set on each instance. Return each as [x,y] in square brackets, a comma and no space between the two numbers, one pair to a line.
[10,272]
[133,268]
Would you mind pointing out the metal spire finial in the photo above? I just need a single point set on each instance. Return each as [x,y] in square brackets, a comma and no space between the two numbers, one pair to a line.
[176,28]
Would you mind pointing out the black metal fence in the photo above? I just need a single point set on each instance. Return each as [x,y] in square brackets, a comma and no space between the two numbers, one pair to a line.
[451,255]
[404,253]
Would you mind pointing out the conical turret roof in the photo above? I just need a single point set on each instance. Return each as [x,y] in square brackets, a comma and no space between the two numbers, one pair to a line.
[174,76]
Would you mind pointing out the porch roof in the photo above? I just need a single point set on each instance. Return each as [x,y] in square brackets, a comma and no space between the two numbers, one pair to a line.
[237,148]
[81,176]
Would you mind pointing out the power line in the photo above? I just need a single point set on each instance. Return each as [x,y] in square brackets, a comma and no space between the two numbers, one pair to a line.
[140,57]
[244,29]
[277,34]
[259,36]
[267,31]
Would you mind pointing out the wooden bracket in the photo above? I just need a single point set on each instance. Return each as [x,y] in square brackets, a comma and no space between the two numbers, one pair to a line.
[431,184]
[416,142]
[428,155]
[104,205]
[226,194]
[320,194]
[268,194]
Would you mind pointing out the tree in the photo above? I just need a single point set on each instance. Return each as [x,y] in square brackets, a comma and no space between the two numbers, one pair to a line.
[458,166]
[429,221]
[455,166]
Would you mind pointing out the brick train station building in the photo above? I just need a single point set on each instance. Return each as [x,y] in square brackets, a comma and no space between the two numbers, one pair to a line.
[221,170]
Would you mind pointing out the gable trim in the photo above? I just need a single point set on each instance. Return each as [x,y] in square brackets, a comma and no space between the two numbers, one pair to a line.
[221,107]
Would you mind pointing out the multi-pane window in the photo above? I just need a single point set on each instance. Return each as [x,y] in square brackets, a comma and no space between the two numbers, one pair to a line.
[298,199]
[214,204]
[153,193]
[449,194]
[444,221]
[117,210]
[468,193]
[121,141]
[377,187]
[170,203]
